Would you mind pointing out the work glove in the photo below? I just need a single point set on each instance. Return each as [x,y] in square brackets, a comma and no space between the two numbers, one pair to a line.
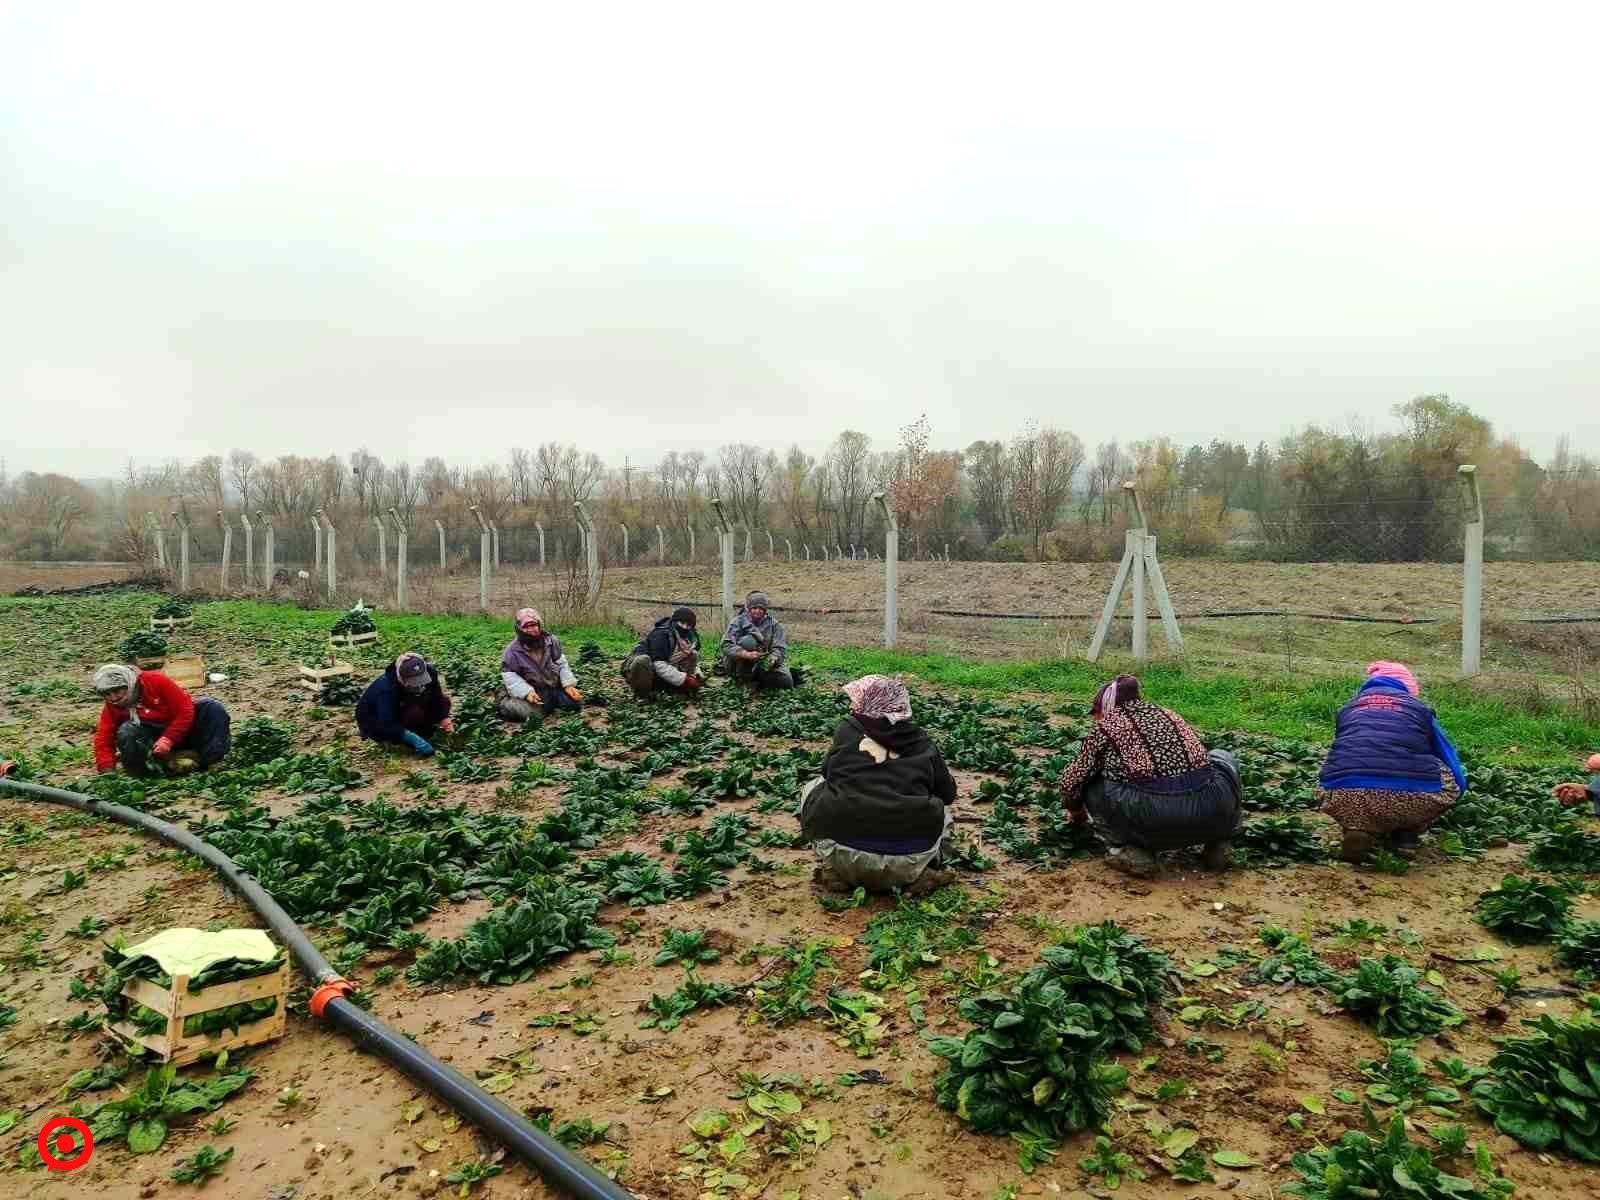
[162,748]
[1077,816]
[693,683]
[420,744]
[574,695]
[447,725]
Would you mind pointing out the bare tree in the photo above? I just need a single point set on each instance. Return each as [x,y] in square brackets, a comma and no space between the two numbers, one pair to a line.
[242,469]
[850,484]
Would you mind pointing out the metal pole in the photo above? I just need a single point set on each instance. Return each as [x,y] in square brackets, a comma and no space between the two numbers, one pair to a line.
[249,548]
[725,538]
[891,570]
[1472,574]
[483,558]
[401,538]
[227,546]
[383,546]
[439,525]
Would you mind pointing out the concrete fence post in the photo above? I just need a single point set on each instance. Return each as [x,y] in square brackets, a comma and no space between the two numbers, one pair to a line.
[402,539]
[494,538]
[316,545]
[661,541]
[748,552]
[439,525]
[249,548]
[852,552]
[484,559]
[725,536]
[182,520]
[160,539]
[540,528]
[333,554]
[591,552]
[891,571]
[691,543]
[383,547]
[227,548]
[269,569]
[624,544]
[789,548]
[771,553]
[1472,573]
[806,546]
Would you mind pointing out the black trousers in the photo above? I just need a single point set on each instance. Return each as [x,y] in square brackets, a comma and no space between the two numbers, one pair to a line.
[208,738]
[1125,816]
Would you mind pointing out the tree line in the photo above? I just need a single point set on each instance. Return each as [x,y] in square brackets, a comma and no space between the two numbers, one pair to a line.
[1318,494]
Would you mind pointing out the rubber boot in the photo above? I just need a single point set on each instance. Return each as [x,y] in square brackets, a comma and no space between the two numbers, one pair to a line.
[1132,860]
[1357,845]
[1217,856]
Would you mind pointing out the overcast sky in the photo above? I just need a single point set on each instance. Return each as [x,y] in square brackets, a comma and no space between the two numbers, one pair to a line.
[451,229]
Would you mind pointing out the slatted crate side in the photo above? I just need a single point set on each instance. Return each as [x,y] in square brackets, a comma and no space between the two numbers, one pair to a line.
[349,641]
[177,1003]
[312,678]
[168,624]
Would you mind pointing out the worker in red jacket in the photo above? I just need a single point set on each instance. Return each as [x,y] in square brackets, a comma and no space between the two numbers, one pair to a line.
[149,714]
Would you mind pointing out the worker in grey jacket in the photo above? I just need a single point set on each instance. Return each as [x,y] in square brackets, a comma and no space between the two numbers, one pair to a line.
[535,678]
[754,650]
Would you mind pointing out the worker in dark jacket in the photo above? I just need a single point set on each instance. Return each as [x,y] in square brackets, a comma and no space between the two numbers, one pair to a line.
[1391,770]
[667,658]
[405,705]
[878,816]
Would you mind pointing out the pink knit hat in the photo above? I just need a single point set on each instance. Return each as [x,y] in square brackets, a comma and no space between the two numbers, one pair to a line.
[1397,671]
[1592,763]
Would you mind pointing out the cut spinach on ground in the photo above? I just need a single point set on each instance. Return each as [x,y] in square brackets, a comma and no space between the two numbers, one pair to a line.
[1526,910]
[1545,1090]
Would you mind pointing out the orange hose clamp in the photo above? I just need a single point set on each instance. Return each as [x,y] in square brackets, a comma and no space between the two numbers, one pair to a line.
[334,987]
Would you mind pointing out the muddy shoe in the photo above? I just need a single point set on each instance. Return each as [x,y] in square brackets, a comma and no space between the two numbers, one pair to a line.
[1131,860]
[930,880]
[828,880]
[1357,845]
[1217,856]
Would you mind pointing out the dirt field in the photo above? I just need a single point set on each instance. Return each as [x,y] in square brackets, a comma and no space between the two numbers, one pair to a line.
[349,1132]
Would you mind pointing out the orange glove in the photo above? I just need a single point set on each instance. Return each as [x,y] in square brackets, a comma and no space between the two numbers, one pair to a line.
[162,748]
[574,695]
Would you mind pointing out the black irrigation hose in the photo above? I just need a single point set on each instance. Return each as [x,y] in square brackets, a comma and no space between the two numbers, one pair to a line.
[1207,615]
[559,1166]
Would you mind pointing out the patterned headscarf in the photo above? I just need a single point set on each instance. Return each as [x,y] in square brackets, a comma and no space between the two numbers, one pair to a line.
[113,676]
[879,696]
[1120,690]
[1396,671]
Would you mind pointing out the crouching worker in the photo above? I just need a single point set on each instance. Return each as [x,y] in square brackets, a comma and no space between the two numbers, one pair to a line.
[1391,771]
[406,705]
[1147,783]
[535,677]
[149,715]
[667,659]
[755,650]
[1568,793]
[877,818]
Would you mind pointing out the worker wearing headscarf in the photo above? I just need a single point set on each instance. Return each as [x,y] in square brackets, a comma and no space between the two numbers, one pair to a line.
[1391,771]
[535,678]
[879,814]
[146,714]
[406,705]
[1148,784]
[667,658]
[754,649]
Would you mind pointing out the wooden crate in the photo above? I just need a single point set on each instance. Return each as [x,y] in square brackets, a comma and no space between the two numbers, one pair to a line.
[168,624]
[186,670]
[349,641]
[312,678]
[178,1002]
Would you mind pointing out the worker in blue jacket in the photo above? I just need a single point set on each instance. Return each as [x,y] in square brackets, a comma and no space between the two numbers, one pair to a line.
[406,705]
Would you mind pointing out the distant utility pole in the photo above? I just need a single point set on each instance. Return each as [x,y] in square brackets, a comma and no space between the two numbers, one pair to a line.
[627,479]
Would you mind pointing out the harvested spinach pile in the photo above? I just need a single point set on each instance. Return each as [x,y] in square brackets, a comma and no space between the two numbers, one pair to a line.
[1386,1163]
[142,643]
[1546,1087]
[211,1023]
[551,918]
[357,620]
[173,609]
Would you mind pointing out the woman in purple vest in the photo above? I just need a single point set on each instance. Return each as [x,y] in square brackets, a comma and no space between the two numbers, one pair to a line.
[535,678]
[1391,770]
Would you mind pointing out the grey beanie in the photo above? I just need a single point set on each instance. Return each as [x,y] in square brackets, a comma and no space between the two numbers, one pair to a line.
[112,676]
[756,600]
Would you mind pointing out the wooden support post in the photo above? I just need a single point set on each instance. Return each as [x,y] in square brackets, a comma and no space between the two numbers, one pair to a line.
[591,553]
[333,556]
[484,561]
[269,568]
[540,528]
[1471,574]
[227,548]
[249,548]
[891,571]
[725,537]
[383,546]
[402,538]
